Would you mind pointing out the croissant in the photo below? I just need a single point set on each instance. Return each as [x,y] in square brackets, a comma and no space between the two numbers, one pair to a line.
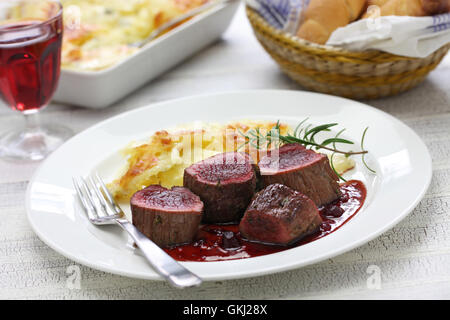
[322,17]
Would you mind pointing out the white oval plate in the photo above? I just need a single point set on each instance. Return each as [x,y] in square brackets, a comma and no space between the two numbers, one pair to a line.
[401,159]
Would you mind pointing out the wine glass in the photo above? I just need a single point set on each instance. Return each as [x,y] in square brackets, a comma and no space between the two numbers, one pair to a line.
[30,61]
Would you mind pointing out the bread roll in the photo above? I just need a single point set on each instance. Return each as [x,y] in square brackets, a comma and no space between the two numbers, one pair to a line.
[403,8]
[415,8]
[322,17]
[379,3]
[432,7]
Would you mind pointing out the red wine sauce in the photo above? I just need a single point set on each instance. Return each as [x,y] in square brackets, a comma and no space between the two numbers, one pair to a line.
[224,242]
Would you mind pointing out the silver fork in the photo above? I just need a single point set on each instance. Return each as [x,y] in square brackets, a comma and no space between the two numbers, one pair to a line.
[101,210]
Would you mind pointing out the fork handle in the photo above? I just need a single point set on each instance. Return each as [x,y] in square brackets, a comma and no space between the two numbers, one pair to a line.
[165,265]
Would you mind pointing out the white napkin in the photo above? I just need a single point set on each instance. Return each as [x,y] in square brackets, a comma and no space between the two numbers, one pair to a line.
[406,36]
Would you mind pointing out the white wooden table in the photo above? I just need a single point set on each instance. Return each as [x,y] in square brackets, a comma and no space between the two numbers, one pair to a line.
[412,260]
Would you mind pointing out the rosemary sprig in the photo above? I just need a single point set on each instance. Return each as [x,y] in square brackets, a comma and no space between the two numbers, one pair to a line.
[306,135]
[332,158]
[363,159]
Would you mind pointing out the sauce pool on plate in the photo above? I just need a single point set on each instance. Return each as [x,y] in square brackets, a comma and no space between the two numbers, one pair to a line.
[224,242]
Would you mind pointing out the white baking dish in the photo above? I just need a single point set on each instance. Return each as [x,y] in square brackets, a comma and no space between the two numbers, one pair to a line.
[99,89]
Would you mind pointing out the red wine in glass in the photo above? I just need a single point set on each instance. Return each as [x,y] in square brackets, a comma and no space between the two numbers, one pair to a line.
[30,62]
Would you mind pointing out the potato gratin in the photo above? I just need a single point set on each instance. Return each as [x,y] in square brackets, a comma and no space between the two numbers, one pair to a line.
[99,33]
[163,159]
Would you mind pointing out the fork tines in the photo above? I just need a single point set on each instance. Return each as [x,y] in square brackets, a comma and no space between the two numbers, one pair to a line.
[96,198]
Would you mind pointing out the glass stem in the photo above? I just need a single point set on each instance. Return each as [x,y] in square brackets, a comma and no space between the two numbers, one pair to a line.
[32,123]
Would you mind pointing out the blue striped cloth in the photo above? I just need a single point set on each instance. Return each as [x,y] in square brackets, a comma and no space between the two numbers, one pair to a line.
[281,14]
[441,22]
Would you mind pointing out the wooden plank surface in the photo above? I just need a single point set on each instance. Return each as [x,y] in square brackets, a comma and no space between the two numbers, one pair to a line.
[412,259]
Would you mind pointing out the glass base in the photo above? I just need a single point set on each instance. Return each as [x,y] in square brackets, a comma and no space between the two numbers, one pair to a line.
[33,145]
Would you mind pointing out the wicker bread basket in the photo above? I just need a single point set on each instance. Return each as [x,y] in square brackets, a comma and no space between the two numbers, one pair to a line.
[358,75]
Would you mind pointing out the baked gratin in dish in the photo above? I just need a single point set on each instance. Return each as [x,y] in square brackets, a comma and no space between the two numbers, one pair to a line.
[100,33]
